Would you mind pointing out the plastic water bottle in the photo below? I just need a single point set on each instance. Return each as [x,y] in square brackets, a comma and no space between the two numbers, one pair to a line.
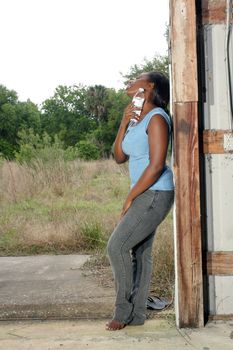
[138,101]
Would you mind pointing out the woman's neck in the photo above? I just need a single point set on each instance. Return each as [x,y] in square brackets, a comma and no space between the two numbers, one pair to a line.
[147,107]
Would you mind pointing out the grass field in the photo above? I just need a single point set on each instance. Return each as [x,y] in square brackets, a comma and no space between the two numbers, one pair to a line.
[60,207]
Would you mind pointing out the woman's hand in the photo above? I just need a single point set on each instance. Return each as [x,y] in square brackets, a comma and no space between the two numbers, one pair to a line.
[129,114]
[126,206]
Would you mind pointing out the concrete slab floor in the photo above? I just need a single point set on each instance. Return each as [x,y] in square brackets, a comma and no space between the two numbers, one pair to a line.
[51,286]
[85,334]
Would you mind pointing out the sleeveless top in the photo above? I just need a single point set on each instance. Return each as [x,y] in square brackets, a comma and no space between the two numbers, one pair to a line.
[135,144]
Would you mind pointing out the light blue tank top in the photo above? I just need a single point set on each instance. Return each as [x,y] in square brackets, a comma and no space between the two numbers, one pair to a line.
[135,145]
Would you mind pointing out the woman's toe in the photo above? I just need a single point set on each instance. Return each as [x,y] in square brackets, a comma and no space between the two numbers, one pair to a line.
[114,325]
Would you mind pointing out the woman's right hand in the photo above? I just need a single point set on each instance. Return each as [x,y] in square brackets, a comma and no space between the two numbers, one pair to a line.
[129,114]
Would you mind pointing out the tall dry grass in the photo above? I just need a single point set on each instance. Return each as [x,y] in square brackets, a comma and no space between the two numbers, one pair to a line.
[56,206]
[69,207]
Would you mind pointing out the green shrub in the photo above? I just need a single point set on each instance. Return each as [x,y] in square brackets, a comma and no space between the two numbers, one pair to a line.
[92,235]
[48,149]
[71,153]
[87,150]
[6,149]
[34,146]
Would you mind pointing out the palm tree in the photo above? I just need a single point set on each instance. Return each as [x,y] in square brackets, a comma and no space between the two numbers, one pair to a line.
[96,102]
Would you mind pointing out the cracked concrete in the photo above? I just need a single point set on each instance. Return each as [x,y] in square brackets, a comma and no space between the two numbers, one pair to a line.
[90,334]
[42,287]
[54,287]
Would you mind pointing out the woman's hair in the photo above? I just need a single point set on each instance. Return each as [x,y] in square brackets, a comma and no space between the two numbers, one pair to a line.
[161,92]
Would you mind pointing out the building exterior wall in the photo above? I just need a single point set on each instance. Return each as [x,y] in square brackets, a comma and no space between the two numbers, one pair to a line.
[203,161]
[218,167]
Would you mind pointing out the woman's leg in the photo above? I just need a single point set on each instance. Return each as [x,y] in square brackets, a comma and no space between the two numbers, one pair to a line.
[141,219]
[142,266]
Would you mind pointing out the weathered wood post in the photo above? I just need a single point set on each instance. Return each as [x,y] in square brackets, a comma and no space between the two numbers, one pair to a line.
[189,284]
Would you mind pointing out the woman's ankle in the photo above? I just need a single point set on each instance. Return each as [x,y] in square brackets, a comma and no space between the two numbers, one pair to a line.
[137,321]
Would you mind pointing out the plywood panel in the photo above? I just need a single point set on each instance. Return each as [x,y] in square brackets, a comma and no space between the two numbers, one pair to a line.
[219,175]
[223,296]
[217,113]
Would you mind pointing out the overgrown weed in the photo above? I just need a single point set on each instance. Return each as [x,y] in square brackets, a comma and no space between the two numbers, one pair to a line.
[65,207]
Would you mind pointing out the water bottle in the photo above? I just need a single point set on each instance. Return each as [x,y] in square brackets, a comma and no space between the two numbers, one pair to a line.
[138,101]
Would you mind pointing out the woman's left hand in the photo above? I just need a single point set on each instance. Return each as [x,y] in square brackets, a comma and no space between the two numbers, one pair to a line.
[126,206]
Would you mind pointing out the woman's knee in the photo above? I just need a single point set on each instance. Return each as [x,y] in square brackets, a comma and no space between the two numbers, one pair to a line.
[116,247]
[109,248]
[112,247]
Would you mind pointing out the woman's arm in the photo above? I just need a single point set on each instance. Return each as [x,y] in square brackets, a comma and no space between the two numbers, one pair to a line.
[158,142]
[119,155]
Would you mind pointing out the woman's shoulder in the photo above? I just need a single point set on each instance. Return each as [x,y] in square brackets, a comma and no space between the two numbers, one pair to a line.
[158,111]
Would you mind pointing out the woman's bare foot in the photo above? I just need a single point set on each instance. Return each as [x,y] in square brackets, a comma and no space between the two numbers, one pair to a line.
[114,325]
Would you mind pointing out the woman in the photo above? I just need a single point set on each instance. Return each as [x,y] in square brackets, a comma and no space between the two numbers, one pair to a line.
[148,202]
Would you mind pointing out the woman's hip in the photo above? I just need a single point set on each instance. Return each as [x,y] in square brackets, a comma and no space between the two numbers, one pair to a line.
[146,212]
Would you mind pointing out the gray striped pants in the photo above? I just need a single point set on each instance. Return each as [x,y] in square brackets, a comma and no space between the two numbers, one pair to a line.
[129,250]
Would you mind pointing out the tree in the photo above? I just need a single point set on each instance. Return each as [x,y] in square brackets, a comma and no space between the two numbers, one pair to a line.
[28,116]
[158,63]
[8,101]
[14,116]
[66,115]
[96,97]
[7,96]
[104,135]
[74,114]
[91,114]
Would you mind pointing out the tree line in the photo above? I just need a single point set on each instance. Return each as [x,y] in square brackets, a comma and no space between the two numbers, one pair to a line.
[80,120]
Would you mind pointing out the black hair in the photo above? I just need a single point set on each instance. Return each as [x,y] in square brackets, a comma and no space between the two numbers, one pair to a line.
[161,92]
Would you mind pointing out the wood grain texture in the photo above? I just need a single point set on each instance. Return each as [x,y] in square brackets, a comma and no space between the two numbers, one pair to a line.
[220,263]
[213,11]
[221,317]
[186,162]
[213,141]
[183,50]
[188,219]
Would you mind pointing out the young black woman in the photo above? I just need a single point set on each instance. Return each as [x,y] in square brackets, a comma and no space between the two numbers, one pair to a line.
[149,200]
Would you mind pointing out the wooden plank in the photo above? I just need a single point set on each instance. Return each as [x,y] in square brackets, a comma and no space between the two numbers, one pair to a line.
[183,48]
[188,219]
[213,141]
[220,263]
[221,317]
[213,11]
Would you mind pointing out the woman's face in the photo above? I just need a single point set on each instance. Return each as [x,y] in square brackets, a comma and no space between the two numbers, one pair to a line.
[140,82]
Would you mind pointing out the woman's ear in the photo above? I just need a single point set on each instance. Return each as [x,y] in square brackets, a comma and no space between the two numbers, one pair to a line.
[151,85]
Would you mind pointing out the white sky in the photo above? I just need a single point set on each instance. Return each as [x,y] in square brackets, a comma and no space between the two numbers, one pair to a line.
[46,43]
